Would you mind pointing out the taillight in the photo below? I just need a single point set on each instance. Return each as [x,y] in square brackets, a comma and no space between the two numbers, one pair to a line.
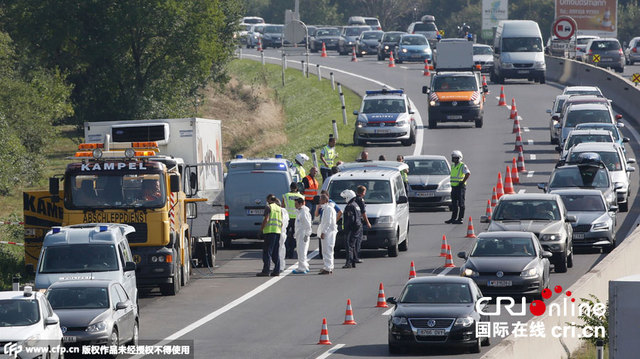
[226,211]
[590,51]
[635,49]
[379,28]
[413,32]
[620,52]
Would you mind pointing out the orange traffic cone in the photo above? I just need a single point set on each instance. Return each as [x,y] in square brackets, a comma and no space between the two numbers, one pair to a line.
[412,271]
[518,146]
[426,68]
[260,44]
[354,58]
[443,247]
[324,50]
[470,232]
[499,188]
[521,167]
[392,61]
[382,303]
[515,177]
[502,101]
[448,261]
[488,212]
[348,316]
[516,125]
[514,113]
[484,81]
[324,333]
[494,198]
[508,185]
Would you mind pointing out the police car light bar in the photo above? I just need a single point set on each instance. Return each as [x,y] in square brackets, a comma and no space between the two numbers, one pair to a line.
[384,91]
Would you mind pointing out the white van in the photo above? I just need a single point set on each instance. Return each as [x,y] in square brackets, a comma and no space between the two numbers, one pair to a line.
[87,251]
[518,52]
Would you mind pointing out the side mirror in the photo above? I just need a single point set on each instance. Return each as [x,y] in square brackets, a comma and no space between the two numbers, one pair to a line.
[403,199]
[618,186]
[51,321]
[625,139]
[618,117]
[129,266]
[484,219]
[54,186]
[355,112]
[546,254]
[392,300]
[613,208]
[571,219]
[462,255]
[549,111]
[192,210]
[631,160]
[542,186]
[631,169]
[174,183]
[412,112]
[122,305]
[193,181]
[558,149]
[425,89]
[620,125]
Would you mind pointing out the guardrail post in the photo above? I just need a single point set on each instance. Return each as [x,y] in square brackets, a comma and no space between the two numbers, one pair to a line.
[262,57]
[319,75]
[344,109]
[333,81]
[335,129]
[16,283]
[308,64]
[284,66]
[240,52]
[285,60]
[600,349]
[302,63]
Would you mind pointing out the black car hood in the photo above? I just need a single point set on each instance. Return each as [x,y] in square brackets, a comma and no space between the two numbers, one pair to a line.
[422,310]
[79,317]
[494,264]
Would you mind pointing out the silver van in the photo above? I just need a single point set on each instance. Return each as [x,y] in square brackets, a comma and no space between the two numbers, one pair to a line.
[386,200]
[518,52]
[88,251]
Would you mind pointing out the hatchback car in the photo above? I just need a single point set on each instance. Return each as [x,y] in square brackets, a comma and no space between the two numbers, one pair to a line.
[386,116]
[615,132]
[413,48]
[429,185]
[272,36]
[581,45]
[367,43]
[483,56]
[542,214]
[595,224]
[583,113]
[507,262]
[426,27]
[554,111]
[436,311]
[605,53]
[632,52]
[327,35]
[388,42]
[582,90]
[254,36]
[349,37]
[583,136]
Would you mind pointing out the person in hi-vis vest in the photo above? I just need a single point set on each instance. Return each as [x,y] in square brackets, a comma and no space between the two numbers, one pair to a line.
[459,176]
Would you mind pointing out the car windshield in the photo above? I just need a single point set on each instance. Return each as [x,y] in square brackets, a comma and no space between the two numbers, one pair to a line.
[383,105]
[253,21]
[413,40]
[78,298]
[517,210]
[605,46]
[428,167]
[79,258]
[436,293]
[19,312]
[609,158]
[378,191]
[559,104]
[246,27]
[455,83]
[327,32]
[116,191]
[503,247]
[372,35]
[583,41]
[425,26]
[482,50]
[273,29]
[579,176]
[609,127]
[372,22]
[574,140]
[259,29]
[579,202]
[242,186]
[394,37]
[521,44]
[575,117]
[354,31]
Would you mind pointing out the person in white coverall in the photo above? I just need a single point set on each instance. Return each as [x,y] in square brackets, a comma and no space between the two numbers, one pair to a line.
[282,251]
[302,234]
[327,231]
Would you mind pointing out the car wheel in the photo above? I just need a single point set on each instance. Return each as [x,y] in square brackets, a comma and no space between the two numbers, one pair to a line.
[113,338]
[500,79]
[492,77]
[380,57]
[561,265]
[356,140]
[404,246]
[486,342]
[570,259]
[542,79]
[433,123]
[136,334]
[624,207]
[394,349]
[393,248]
[476,347]
[479,123]
[399,61]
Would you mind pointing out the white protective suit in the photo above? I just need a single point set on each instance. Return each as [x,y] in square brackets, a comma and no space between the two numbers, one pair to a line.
[329,228]
[283,237]
[302,234]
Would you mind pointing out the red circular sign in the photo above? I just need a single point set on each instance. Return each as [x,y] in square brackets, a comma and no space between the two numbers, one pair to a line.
[564,28]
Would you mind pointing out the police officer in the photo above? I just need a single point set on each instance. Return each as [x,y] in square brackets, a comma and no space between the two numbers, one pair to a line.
[289,200]
[271,228]
[310,189]
[361,191]
[301,158]
[328,156]
[352,220]
[459,175]
[404,173]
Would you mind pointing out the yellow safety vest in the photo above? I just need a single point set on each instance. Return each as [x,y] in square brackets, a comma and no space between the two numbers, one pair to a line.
[456,174]
[274,223]
[290,203]
[405,176]
[329,155]
[300,171]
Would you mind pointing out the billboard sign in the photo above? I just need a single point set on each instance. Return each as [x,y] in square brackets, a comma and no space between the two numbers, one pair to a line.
[593,17]
[493,11]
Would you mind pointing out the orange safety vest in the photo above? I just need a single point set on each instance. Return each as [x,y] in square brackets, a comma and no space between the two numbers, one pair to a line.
[312,191]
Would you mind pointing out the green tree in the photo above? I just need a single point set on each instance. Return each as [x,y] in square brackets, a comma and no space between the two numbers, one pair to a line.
[628,25]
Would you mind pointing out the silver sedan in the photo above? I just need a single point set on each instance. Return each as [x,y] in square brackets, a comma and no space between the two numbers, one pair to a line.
[429,184]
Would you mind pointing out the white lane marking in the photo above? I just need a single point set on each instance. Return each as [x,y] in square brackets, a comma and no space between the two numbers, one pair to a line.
[533,157]
[388,312]
[211,316]
[444,272]
[330,351]
[403,67]
[526,129]
[530,142]
[530,174]
[522,191]
[419,135]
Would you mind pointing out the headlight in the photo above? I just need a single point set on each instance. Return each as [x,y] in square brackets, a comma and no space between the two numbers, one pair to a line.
[445,186]
[476,101]
[404,50]
[361,124]
[32,341]
[350,43]
[603,226]
[95,328]
[426,50]
[385,220]
[529,273]
[464,322]
[507,65]
[550,237]
[386,47]
[399,321]
[539,65]
[468,272]
[434,103]
[401,123]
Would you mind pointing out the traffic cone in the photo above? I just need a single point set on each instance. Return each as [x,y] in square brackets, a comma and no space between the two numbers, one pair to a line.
[392,61]
[470,232]
[448,261]
[514,112]
[484,81]
[426,68]
[324,50]
[516,125]
[443,246]
[518,146]
[412,271]
[508,185]
[515,177]
[354,58]
[499,188]
[382,303]
[324,333]
[489,211]
[502,101]
[348,316]
[521,167]
[494,198]
[259,44]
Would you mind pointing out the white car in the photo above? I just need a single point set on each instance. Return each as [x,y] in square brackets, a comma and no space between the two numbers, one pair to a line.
[581,46]
[27,320]
[386,116]
[555,111]
[583,136]
[582,90]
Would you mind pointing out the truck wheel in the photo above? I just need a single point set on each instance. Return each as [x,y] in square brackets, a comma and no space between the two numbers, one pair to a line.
[172,288]
[542,80]
[561,265]
[185,270]
[479,123]
[432,123]
[624,207]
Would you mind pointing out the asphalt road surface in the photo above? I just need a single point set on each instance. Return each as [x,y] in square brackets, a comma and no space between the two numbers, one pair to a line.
[230,313]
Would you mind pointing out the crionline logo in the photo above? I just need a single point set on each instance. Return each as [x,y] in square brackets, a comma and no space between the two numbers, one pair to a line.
[12,349]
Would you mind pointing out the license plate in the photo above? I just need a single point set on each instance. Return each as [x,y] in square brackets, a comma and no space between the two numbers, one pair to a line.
[382,132]
[454,117]
[578,236]
[523,71]
[499,283]
[415,56]
[607,59]
[425,194]
[255,212]
[431,332]
[69,339]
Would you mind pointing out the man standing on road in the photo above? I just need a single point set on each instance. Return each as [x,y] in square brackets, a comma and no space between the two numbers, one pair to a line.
[352,220]
[328,157]
[289,200]
[404,173]
[270,229]
[319,213]
[282,249]
[303,231]
[310,188]
[361,191]
[459,175]
[327,231]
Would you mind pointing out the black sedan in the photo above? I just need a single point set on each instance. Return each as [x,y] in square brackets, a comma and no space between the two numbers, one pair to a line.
[388,42]
[436,311]
[327,35]
[507,262]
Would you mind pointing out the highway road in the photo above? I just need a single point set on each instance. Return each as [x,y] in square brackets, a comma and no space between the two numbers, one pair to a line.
[230,313]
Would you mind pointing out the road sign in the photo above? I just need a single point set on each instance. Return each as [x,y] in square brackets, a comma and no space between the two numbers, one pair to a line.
[564,27]
[441,32]
[295,32]
[635,78]
[596,58]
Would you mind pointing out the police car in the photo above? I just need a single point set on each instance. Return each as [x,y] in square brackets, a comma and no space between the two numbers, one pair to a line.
[386,116]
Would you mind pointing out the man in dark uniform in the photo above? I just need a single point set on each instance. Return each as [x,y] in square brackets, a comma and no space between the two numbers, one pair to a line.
[361,191]
[352,220]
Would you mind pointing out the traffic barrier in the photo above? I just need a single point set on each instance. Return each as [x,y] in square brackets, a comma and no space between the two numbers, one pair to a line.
[518,147]
[514,112]
[508,185]
[382,302]
[470,231]
[324,50]
[426,68]
[412,271]
[348,316]
[392,61]
[448,261]
[499,188]
[515,178]
[521,167]
[13,243]
[354,58]
[259,44]
[494,198]
[443,246]
[324,333]
[502,101]
[488,212]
